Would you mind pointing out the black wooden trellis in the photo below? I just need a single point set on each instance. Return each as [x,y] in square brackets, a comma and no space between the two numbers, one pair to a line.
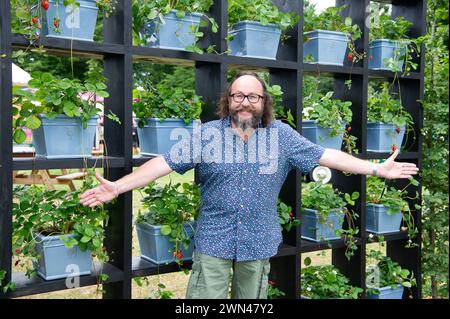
[210,71]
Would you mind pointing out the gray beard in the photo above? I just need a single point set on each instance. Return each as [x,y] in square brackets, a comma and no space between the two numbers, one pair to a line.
[244,125]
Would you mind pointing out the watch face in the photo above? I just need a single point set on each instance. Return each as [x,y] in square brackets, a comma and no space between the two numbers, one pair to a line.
[321,174]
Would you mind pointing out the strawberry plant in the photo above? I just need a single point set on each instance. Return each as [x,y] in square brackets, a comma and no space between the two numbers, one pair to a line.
[171,206]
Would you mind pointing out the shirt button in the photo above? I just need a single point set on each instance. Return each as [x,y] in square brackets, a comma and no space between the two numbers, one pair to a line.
[242,206]
[243,188]
[239,223]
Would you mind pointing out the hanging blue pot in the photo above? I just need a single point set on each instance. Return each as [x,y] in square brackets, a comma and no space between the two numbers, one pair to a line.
[174,33]
[57,261]
[381,137]
[382,49]
[315,231]
[388,293]
[154,137]
[378,221]
[325,47]
[253,40]
[64,137]
[77,23]
[321,136]
[156,247]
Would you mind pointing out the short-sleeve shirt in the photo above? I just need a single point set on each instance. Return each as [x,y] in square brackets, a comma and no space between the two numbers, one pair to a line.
[240,182]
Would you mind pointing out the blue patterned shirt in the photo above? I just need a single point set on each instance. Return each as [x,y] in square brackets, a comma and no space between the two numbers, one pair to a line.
[240,183]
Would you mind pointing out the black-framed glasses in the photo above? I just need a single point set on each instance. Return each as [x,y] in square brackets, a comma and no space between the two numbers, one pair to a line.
[240,97]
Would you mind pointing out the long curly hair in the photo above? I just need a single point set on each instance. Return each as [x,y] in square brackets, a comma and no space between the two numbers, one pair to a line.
[224,107]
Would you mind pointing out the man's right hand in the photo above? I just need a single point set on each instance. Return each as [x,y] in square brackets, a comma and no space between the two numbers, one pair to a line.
[103,193]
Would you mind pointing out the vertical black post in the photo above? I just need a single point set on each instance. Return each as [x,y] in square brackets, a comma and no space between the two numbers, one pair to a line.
[5,141]
[211,78]
[291,191]
[354,268]
[119,70]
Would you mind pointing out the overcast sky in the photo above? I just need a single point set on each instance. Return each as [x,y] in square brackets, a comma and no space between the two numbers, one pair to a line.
[322,4]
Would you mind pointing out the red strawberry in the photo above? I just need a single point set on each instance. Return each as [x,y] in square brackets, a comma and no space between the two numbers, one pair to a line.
[271,282]
[371,57]
[56,23]
[397,130]
[350,57]
[18,251]
[291,214]
[34,20]
[349,129]
[393,148]
[44,4]
[180,255]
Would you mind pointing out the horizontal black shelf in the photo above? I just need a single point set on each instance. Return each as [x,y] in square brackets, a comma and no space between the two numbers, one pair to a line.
[307,246]
[399,235]
[389,74]
[237,62]
[78,47]
[286,250]
[41,163]
[141,159]
[167,56]
[37,285]
[335,69]
[405,155]
[142,267]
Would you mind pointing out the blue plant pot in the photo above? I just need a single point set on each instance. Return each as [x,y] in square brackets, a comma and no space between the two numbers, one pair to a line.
[154,138]
[313,230]
[381,137]
[325,47]
[388,293]
[382,49]
[253,40]
[174,33]
[77,25]
[156,247]
[64,137]
[321,136]
[379,222]
[57,261]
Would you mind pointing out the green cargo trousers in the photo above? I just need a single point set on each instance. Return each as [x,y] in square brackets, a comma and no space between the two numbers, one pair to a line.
[210,278]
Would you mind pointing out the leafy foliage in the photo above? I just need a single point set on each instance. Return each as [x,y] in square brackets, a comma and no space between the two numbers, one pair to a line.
[383,27]
[52,97]
[262,11]
[326,282]
[435,218]
[171,206]
[166,102]
[324,198]
[286,216]
[331,19]
[382,106]
[147,10]
[384,272]
[37,210]
[396,202]
[330,113]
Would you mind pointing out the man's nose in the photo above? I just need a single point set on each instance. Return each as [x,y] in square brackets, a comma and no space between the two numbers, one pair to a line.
[246,102]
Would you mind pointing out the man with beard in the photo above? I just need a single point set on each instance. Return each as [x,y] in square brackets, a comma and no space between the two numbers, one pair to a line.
[238,226]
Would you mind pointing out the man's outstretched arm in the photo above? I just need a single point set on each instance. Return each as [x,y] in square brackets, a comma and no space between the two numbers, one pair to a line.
[107,190]
[388,169]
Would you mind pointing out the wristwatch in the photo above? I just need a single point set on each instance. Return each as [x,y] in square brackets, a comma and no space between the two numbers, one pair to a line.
[375,170]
